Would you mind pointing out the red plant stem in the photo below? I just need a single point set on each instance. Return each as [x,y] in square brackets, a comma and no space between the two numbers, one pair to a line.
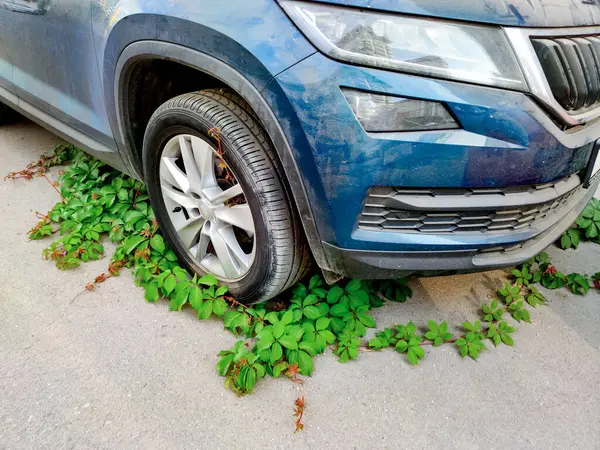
[136,196]
[233,301]
[449,341]
[300,409]
[54,187]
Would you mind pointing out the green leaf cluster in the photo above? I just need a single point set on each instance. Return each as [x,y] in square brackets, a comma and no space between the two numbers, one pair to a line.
[240,367]
[99,203]
[438,333]
[471,343]
[587,227]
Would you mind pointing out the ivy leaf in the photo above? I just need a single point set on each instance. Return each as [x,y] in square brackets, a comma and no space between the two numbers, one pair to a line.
[377,343]
[367,320]
[334,294]
[353,285]
[195,297]
[278,329]
[338,310]
[224,364]
[236,321]
[132,242]
[279,367]
[312,312]
[310,347]
[219,307]
[276,352]
[395,290]
[151,293]
[315,281]
[250,380]
[470,345]
[169,284]
[289,342]
[179,300]
[402,346]
[157,243]
[414,354]
[305,363]
[222,290]
[287,318]
[208,280]
[322,323]
[591,231]
[205,310]
[328,336]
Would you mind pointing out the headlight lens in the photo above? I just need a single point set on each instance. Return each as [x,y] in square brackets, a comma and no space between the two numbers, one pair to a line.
[452,50]
[382,113]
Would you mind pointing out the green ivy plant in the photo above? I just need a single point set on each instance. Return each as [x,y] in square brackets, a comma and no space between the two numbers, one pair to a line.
[99,203]
[587,227]
[438,334]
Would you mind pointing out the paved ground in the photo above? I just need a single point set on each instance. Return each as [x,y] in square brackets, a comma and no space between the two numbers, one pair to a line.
[109,370]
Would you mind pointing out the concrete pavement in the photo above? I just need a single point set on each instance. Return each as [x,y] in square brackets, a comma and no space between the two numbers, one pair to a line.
[109,370]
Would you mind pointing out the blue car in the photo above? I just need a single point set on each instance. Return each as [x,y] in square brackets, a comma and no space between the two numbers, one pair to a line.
[375,138]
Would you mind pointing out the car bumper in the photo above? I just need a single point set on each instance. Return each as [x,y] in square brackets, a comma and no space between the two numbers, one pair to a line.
[505,140]
[368,264]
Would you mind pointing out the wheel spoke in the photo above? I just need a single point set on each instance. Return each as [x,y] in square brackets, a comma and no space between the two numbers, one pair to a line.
[189,231]
[173,174]
[211,264]
[204,161]
[179,197]
[238,215]
[242,260]
[200,250]
[191,169]
[224,254]
[216,195]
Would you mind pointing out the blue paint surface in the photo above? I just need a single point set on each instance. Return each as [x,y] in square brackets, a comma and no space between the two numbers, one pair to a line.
[501,143]
[62,59]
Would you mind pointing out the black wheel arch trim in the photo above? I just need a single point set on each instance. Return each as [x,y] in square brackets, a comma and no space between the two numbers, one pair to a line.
[146,49]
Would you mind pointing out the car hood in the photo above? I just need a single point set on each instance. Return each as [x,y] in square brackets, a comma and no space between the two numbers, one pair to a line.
[523,13]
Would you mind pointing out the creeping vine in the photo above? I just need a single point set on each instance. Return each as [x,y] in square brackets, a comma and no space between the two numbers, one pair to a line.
[281,337]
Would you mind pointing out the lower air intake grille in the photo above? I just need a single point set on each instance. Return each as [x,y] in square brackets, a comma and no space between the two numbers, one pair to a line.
[440,210]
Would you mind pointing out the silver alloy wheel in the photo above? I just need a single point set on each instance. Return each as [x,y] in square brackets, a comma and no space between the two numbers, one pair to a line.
[203,205]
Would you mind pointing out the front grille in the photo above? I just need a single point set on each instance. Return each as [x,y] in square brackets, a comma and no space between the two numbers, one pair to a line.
[486,210]
[572,68]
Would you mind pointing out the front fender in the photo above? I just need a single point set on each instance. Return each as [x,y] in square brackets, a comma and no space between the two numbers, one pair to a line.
[247,68]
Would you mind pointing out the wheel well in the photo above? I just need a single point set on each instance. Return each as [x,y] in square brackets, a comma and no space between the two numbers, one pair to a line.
[146,81]
[151,82]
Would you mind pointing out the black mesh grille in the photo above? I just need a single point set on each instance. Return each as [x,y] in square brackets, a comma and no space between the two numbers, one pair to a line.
[465,210]
[572,68]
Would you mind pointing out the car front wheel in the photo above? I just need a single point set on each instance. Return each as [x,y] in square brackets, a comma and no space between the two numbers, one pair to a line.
[220,196]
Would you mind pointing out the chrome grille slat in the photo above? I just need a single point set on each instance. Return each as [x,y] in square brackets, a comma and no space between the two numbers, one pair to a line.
[384,211]
[572,68]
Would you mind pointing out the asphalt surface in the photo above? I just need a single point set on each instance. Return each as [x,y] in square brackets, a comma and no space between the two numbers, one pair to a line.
[108,370]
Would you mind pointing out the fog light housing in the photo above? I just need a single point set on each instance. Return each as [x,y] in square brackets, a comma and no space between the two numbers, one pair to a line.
[383,113]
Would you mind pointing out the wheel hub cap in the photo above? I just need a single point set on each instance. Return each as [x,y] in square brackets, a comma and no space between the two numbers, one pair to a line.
[207,207]
[206,210]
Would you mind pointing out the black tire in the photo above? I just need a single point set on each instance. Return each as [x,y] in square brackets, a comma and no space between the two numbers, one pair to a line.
[282,255]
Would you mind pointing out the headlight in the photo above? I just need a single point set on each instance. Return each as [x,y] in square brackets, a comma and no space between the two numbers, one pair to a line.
[382,113]
[438,48]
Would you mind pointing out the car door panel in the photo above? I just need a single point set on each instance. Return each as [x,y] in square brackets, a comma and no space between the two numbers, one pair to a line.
[54,67]
[6,68]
